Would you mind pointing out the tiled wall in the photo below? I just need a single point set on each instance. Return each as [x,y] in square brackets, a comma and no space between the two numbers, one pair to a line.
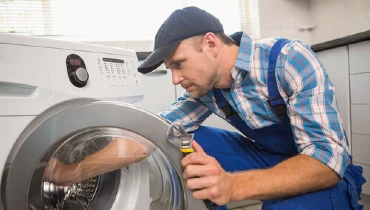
[331,18]
[284,18]
[360,106]
[338,18]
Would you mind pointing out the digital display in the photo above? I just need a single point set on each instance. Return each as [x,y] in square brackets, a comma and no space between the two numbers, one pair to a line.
[113,60]
[75,62]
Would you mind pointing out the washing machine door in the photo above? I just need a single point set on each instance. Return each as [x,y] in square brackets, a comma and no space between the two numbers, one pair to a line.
[68,135]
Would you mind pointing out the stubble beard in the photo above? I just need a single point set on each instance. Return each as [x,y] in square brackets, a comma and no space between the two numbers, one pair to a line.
[202,90]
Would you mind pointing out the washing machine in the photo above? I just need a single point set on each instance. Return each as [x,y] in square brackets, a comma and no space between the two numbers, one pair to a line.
[67,101]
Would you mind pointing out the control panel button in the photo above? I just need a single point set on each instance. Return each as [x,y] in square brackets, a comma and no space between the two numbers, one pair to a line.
[76,70]
[79,77]
[82,75]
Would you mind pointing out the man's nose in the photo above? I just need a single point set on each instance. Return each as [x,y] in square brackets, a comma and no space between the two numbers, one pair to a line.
[176,77]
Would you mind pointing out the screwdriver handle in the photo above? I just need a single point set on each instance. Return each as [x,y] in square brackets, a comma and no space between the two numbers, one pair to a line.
[209,204]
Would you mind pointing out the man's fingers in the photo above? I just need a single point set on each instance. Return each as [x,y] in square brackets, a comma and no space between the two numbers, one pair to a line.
[196,158]
[197,147]
[208,193]
[200,171]
[201,182]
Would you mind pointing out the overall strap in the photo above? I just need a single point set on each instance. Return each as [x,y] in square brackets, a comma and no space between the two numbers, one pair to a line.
[220,100]
[275,100]
[223,104]
[237,36]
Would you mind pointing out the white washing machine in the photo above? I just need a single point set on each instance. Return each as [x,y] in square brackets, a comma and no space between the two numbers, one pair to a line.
[67,101]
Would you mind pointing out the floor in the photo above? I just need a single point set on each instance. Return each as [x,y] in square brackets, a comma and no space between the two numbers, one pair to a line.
[365,200]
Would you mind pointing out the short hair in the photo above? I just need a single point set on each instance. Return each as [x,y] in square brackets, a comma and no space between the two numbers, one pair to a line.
[197,40]
[225,39]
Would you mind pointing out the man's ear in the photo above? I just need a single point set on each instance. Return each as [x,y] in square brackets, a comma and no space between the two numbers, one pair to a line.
[211,43]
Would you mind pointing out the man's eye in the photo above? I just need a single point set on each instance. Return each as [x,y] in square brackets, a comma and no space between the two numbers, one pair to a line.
[178,64]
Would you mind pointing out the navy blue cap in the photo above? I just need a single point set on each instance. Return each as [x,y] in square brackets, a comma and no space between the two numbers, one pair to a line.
[181,24]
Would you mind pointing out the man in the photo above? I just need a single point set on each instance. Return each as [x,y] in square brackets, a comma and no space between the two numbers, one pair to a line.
[293,153]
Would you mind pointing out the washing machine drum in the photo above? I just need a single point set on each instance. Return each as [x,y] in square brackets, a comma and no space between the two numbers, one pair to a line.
[67,159]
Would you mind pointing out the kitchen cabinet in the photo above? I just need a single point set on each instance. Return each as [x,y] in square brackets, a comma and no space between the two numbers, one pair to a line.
[348,69]
[359,54]
[335,62]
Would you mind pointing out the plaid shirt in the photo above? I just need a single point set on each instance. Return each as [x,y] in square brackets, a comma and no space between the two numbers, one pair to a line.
[302,82]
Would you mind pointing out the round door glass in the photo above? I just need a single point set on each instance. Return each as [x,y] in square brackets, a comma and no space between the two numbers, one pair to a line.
[110,168]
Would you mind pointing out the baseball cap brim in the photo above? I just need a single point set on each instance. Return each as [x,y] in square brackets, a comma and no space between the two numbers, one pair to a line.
[155,59]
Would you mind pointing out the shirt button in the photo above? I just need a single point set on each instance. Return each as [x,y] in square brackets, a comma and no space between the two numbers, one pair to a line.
[247,117]
[235,90]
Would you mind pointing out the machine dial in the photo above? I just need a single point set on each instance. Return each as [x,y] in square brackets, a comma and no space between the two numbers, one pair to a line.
[77,72]
[79,77]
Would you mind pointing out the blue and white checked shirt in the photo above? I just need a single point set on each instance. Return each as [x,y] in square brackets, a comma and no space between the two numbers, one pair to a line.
[302,82]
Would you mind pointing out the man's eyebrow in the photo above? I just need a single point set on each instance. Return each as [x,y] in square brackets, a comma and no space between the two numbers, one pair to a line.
[171,62]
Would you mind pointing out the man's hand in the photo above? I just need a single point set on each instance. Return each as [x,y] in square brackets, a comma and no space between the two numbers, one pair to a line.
[60,173]
[117,154]
[206,177]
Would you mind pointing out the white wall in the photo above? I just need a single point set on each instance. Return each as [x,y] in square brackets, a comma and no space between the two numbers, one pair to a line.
[338,18]
[277,18]
[284,18]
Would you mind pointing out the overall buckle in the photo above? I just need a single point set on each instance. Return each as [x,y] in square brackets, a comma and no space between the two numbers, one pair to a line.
[280,108]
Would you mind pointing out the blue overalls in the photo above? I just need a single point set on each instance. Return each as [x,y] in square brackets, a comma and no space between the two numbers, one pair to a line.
[273,144]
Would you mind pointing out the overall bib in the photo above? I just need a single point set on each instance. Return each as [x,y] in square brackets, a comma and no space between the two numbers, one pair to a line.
[268,146]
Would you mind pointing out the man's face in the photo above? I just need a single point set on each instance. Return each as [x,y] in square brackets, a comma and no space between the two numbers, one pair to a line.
[193,68]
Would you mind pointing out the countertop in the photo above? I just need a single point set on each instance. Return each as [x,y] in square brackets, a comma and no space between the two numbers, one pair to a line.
[359,37]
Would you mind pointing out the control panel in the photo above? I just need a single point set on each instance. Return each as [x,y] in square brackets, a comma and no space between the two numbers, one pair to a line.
[118,72]
[52,71]
[98,74]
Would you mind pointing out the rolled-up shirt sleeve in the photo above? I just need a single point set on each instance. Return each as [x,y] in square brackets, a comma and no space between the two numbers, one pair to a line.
[312,107]
[186,111]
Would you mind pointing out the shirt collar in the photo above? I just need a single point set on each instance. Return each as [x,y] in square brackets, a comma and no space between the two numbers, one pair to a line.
[244,53]
[234,72]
